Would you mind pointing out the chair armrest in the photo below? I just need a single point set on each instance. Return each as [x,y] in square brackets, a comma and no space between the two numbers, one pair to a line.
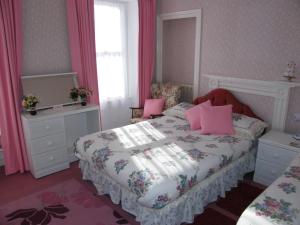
[136,112]
[156,116]
[136,108]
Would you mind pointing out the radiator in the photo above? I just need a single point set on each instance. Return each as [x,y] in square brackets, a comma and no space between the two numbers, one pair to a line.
[186,93]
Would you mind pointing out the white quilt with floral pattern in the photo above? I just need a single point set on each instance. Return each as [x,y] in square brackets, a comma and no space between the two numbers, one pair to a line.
[159,160]
[279,204]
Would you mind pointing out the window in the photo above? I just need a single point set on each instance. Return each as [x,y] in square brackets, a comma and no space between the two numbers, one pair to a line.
[116,30]
[110,22]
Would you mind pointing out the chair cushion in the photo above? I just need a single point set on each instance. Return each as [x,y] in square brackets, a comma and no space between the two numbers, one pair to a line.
[171,93]
[193,115]
[216,120]
[137,120]
[137,112]
[153,107]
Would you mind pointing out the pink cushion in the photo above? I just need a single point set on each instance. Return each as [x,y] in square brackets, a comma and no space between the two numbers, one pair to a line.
[153,107]
[217,120]
[193,115]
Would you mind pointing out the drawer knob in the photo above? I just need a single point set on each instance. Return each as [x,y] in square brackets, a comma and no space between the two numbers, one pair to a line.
[50,143]
[51,158]
[47,127]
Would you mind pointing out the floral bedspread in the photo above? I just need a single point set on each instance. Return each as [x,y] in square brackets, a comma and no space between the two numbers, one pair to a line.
[279,203]
[159,160]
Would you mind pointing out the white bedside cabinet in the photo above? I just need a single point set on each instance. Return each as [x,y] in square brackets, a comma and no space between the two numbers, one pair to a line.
[273,156]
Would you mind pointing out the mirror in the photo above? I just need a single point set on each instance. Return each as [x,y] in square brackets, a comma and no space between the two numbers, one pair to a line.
[52,90]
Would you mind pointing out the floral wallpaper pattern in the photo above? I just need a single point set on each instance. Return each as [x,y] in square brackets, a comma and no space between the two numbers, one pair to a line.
[248,39]
[45,37]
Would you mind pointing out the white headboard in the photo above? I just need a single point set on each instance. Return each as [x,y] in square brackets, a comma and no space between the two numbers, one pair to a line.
[279,90]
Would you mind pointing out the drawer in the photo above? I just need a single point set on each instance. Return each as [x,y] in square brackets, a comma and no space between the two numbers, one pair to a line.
[275,154]
[268,171]
[48,143]
[46,127]
[49,159]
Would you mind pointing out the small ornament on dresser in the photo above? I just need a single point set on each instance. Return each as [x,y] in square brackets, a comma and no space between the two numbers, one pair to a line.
[74,94]
[81,92]
[290,71]
[29,103]
[84,93]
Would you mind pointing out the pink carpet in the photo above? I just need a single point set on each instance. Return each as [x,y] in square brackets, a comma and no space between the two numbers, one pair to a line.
[69,202]
[22,191]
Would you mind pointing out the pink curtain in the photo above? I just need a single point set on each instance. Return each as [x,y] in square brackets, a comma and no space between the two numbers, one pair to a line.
[13,143]
[147,21]
[82,44]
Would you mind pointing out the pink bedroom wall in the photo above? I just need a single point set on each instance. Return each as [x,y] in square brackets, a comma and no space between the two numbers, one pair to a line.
[248,39]
[45,37]
[178,33]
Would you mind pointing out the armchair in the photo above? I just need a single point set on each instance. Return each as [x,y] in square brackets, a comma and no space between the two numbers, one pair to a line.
[171,93]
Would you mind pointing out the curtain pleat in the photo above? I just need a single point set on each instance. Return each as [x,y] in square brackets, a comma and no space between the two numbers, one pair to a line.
[80,16]
[13,143]
[147,32]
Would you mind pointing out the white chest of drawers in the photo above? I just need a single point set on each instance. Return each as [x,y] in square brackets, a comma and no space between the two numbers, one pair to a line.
[273,156]
[46,145]
[50,136]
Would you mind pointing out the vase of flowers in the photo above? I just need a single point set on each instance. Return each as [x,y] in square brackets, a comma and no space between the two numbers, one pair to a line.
[74,94]
[29,103]
[83,94]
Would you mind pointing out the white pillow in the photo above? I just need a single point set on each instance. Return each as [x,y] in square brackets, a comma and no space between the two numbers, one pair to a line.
[178,110]
[248,127]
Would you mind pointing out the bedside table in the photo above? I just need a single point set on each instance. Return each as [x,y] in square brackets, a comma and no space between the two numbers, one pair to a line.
[273,156]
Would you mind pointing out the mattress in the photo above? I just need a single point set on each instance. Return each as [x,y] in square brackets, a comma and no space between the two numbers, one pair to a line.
[159,160]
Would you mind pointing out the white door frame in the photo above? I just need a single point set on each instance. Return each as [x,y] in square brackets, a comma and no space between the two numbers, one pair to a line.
[197,57]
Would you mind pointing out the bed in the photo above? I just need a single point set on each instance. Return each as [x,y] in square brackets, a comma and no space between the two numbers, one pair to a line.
[161,171]
[279,203]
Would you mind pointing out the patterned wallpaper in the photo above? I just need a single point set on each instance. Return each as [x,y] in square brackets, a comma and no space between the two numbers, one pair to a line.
[240,38]
[248,39]
[45,46]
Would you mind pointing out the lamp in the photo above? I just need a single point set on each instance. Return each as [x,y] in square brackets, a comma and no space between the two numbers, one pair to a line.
[290,71]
